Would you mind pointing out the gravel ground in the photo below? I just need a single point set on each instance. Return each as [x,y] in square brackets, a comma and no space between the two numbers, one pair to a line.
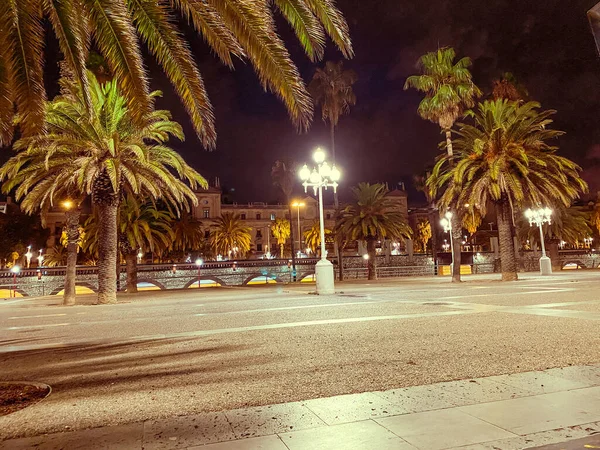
[118,382]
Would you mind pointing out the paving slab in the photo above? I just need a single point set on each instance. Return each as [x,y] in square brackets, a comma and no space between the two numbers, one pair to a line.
[421,398]
[187,431]
[585,374]
[353,407]
[122,437]
[540,413]
[577,444]
[272,419]
[362,435]
[272,442]
[436,430]
[538,382]
[479,390]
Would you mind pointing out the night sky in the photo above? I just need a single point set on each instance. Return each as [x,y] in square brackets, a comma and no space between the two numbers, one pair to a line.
[546,44]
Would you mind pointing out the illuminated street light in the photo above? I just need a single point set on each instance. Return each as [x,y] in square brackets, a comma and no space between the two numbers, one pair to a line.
[446,223]
[28,256]
[140,255]
[539,217]
[15,271]
[322,176]
[40,258]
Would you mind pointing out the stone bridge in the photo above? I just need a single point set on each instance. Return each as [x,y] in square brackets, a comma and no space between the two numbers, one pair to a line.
[47,281]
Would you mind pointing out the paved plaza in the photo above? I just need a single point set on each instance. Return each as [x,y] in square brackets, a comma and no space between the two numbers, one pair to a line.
[409,363]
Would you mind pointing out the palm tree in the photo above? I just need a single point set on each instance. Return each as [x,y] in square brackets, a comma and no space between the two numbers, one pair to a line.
[312,237]
[71,238]
[504,159]
[142,227]
[120,28]
[107,153]
[188,233]
[471,219]
[449,91]
[331,87]
[420,183]
[284,176]
[281,231]
[370,217]
[56,256]
[230,237]
[423,234]
[509,88]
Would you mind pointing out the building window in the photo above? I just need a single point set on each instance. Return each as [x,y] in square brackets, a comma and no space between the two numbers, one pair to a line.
[259,247]
[258,233]
[273,216]
[257,216]
[206,213]
[243,216]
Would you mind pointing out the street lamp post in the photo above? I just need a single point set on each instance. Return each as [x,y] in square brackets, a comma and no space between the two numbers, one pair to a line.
[199,263]
[299,205]
[40,258]
[539,217]
[446,223]
[323,176]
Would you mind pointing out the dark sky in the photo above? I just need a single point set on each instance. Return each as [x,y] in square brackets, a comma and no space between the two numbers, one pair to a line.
[547,44]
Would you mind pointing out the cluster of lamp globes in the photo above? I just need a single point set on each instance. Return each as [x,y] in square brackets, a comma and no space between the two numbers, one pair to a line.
[322,175]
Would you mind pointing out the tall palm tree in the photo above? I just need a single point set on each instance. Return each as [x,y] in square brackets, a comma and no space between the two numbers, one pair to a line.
[281,231]
[230,237]
[504,159]
[423,234]
[284,176]
[71,239]
[449,91]
[331,87]
[118,29]
[312,237]
[370,217]
[107,153]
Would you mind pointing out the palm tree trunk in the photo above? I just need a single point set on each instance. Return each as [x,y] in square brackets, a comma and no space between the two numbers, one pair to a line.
[449,143]
[507,248]
[72,225]
[107,253]
[372,261]
[336,203]
[457,239]
[132,274]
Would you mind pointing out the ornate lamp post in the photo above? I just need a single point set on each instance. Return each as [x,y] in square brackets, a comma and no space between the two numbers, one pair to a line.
[446,223]
[323,176]
[40,258]
[299,205]
[539,217]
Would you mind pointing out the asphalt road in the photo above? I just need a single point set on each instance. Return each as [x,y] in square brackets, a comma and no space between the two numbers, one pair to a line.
[162,354]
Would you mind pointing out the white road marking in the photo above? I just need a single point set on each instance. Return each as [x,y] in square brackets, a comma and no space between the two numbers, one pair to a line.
[39,326]
[35,317]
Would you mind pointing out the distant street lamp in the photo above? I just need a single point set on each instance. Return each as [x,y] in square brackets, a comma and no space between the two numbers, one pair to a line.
[140,255]
[15,271]
[588,241]
[28,255]
[446,223]
[299,205]
[539,217]
[40,258]
[323,176]
[199,263]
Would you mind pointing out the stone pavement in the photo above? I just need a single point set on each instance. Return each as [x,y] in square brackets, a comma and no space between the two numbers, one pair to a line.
[518,411]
